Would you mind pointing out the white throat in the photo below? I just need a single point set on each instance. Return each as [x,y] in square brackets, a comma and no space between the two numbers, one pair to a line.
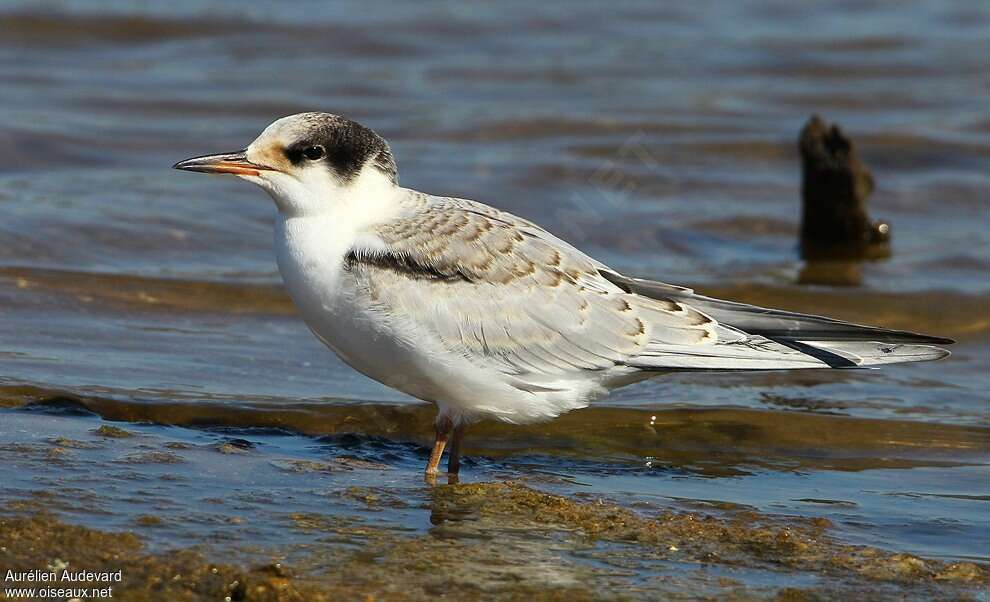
[368,198]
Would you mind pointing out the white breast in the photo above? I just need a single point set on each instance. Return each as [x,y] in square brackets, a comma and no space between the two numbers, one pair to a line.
[311,255]
[310,252]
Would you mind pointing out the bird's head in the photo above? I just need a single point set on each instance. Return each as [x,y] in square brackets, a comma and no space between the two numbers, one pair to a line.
[310,163]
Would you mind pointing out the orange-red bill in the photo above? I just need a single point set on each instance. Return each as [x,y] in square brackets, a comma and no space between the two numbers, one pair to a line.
[231,163]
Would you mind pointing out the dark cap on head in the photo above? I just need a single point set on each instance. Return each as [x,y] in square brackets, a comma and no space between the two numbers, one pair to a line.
[344,145]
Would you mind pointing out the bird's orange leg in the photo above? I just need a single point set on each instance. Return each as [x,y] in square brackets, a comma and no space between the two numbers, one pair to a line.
[444,425]
[454,457]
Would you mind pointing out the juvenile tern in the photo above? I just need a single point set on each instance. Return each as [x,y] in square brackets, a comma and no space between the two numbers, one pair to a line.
[486,314]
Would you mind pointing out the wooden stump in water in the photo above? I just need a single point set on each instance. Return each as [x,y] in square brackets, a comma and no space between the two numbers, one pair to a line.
[835,224]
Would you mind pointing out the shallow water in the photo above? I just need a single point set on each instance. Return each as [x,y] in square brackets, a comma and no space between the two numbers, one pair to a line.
[660,139]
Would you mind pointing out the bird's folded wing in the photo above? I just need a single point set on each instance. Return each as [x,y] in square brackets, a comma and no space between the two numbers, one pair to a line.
[497,289]
[487,289]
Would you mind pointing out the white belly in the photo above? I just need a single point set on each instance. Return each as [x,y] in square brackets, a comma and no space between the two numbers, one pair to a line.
[311,254]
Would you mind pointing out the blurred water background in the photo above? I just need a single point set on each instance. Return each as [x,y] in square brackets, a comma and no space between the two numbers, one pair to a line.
[660,138]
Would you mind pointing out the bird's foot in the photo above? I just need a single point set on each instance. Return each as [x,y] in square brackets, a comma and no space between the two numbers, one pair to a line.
[430,478]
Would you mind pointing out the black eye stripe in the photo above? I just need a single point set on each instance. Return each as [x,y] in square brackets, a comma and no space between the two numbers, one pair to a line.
[343,147]
[294,155]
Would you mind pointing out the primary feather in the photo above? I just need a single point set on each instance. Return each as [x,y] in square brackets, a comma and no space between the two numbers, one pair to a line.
[840,344]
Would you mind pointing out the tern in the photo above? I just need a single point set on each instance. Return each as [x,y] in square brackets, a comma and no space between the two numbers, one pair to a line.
[486,314]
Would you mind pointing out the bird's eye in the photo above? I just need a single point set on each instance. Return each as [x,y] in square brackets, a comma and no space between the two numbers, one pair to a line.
[314,153]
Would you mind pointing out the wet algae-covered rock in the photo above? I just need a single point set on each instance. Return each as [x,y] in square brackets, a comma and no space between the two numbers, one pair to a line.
[502,541]
[744,539]
[835,187]
[39,541]
[112,432]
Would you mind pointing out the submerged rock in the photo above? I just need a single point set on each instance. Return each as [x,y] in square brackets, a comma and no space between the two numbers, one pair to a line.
[152,457]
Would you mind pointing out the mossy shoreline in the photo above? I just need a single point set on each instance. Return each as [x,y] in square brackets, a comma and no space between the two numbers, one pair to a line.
[487,542]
